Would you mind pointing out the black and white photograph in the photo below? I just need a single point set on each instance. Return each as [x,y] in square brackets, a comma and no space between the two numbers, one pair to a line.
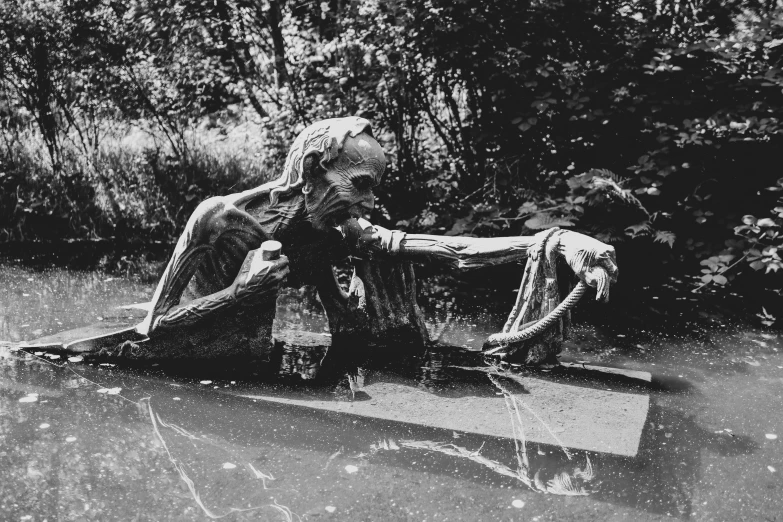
[391,260]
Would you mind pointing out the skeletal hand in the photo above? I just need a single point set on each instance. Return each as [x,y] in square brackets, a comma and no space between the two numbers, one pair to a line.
[593,262]
[258,277]
[368,238]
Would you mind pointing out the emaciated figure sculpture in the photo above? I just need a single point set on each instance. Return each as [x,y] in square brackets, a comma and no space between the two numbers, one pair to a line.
[213,300]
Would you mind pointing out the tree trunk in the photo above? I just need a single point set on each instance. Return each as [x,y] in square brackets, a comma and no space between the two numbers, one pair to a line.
[43,95]
[275,17]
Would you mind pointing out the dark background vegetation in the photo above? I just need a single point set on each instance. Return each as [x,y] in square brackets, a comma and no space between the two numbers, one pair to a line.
[653,125]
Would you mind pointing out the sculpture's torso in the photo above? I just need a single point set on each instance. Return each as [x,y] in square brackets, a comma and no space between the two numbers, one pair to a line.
[286,222]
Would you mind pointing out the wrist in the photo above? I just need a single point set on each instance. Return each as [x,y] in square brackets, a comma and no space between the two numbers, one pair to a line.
[391,242]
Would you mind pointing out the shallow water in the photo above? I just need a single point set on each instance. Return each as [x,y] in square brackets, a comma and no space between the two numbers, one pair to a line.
[102,442]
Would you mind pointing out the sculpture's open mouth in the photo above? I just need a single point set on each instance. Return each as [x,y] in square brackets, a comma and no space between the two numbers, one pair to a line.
[341,217]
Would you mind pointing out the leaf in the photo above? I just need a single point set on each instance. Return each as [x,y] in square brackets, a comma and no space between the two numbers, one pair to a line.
[543,221]
[721,280]
[638,229]
[664,236]
[766,222]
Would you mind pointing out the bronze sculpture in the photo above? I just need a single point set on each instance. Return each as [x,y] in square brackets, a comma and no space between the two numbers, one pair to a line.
[216,298]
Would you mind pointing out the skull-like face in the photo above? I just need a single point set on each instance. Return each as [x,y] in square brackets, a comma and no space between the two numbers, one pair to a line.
[344,189]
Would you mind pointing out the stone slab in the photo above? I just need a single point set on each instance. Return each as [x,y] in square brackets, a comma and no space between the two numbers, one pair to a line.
[579,411]
[577,417]
[87,338]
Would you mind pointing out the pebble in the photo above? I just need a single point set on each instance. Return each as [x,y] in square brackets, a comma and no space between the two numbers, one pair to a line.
[29,398]
[518,503]
[330,509]
[771,436]
[206,382]
[228,465]
[771,469]
[43,426]
[76,358]
[70,439]
[350,468]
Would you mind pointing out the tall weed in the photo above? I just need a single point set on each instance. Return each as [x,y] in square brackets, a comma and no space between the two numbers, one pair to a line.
[133,188]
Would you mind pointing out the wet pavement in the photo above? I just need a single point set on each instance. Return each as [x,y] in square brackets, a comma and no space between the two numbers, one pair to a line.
[106,442]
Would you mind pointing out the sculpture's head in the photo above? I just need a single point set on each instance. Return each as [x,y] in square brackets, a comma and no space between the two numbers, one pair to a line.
[336,163]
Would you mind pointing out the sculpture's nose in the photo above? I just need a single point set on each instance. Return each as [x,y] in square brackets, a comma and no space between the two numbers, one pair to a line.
[368,202]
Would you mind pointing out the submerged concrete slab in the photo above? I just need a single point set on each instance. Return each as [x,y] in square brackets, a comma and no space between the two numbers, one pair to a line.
[86,339]
[577,417]
[588,407]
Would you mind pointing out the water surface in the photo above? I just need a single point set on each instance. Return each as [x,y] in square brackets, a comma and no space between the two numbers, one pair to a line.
[103,442]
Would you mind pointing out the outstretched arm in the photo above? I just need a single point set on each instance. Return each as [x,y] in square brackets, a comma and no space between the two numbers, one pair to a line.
[592,261]
[464,253]
[461,253]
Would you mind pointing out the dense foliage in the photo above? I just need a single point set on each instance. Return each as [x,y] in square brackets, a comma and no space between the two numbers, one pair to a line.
[650,124]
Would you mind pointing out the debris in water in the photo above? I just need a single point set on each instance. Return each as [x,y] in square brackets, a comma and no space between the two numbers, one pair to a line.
[518,503]
[43,426]
[176,399]
[260,475]
[52,356]
[771,469]
[206,382]
[330,509]
[33,397]
[332,457]
[771,436]
[70,439]
[228,465]
[109,391]
[76,358]
[350,468]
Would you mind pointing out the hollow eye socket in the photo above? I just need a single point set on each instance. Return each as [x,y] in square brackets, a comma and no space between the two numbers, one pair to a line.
[362,183]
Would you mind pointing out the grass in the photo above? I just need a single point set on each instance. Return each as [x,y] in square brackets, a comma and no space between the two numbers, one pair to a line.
[132,188]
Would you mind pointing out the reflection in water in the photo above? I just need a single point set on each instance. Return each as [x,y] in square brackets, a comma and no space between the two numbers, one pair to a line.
[166,447]
[202,458]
